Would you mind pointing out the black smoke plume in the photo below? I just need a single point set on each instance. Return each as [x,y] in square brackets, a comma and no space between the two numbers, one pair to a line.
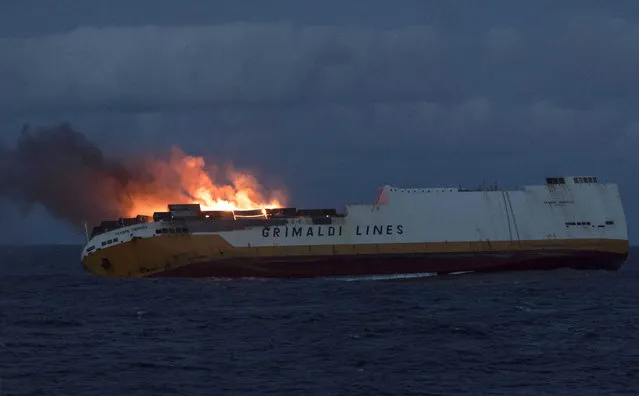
[63,171]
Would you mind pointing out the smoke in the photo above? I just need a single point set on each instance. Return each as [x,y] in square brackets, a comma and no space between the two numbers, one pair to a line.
[60,169]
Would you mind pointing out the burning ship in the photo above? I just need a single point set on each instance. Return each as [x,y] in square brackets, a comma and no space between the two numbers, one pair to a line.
[567,222]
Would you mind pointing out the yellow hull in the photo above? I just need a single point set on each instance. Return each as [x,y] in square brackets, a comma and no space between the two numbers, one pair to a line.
[213,256]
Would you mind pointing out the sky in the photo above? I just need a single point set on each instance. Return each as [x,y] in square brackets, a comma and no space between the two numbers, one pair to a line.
[332,99]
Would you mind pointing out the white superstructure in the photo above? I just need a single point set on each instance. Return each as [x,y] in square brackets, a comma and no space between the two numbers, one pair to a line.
[564,208]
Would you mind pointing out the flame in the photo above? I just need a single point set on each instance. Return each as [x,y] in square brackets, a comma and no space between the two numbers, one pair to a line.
[184,179]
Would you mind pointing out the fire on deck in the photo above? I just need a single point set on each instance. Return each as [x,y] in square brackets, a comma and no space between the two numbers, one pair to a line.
[194,212]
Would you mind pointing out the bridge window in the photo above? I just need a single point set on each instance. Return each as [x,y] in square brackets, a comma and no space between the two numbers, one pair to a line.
[555,180]
[589,179]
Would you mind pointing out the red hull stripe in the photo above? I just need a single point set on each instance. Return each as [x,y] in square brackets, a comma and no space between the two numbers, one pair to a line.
[322,266]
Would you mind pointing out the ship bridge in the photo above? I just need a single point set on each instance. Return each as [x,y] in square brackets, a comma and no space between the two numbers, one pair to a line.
[571,180]
[389,192]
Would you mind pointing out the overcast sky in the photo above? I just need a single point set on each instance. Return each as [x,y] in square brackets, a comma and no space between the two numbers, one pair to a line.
[334,98]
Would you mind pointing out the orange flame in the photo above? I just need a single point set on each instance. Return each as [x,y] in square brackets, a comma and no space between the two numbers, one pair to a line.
[184,179]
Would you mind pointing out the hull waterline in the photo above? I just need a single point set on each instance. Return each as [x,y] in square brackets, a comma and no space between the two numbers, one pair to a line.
[389,265]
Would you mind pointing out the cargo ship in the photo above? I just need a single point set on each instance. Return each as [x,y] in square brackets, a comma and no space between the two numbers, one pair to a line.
[566,222]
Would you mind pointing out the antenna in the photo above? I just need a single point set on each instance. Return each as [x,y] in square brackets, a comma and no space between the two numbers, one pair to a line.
[86,230]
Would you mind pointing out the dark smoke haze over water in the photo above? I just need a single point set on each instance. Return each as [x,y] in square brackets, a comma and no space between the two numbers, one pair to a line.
[60,169]
[63,171]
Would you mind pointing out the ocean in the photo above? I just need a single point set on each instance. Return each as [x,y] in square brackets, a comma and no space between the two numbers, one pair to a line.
[66,332]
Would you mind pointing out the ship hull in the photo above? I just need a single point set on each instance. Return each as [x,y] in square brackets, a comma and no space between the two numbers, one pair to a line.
[566,223]
[446,263]
[212,256]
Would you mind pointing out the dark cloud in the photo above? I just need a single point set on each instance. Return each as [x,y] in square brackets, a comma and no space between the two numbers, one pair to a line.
[251,64]
[578,60]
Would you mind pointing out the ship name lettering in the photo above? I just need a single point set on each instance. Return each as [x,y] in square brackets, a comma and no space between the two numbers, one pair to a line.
[331,231]
[300,231]
[380,229]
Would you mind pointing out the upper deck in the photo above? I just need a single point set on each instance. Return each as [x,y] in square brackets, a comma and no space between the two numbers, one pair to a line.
[555,186]
[193,213]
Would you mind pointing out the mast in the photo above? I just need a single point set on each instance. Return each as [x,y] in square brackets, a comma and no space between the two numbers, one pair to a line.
[86,231]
